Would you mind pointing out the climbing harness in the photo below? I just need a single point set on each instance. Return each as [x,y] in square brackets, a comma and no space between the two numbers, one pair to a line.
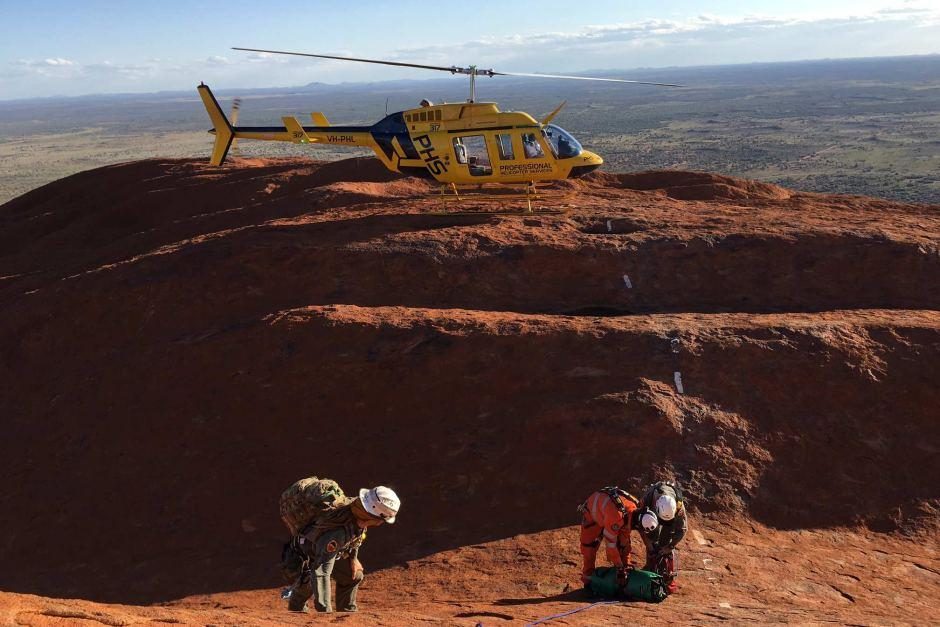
[613,492]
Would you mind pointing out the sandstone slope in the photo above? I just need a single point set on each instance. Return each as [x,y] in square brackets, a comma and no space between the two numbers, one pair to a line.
[181,342]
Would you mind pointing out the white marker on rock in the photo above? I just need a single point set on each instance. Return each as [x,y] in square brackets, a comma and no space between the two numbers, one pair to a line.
[626,282]
[610,227]
[678,377]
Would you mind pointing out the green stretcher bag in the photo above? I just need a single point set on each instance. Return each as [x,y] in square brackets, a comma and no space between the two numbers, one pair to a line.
[641,585]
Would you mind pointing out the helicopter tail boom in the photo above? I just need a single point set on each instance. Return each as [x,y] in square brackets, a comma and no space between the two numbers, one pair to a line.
[291,131]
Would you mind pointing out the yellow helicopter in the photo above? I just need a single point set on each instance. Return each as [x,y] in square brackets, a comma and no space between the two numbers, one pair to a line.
[456,144]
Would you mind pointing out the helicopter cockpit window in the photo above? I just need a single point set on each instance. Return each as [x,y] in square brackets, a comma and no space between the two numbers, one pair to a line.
[504,143]
[563,144]
[472,151]
[531,146]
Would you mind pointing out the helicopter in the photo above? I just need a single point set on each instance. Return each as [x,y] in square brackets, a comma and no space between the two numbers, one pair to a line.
[456,144]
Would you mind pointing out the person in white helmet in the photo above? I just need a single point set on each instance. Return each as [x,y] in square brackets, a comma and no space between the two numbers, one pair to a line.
[665,499]
[331,548]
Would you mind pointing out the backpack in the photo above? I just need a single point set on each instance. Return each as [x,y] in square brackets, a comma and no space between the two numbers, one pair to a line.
[308,499]
[641,585]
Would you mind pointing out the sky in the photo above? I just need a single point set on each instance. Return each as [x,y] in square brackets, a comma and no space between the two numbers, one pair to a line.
[69,48]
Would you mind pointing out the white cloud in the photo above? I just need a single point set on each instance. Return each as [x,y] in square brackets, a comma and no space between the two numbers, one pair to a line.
[264,57]
[45,63]
[126,70]
[559,49]
[55,67]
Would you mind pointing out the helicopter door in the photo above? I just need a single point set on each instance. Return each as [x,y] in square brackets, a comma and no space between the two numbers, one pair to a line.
[471,151]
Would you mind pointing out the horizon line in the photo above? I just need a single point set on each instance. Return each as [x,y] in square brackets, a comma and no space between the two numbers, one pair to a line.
[356,83]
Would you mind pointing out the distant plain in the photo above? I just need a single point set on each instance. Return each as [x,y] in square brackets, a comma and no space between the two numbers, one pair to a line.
[862,126]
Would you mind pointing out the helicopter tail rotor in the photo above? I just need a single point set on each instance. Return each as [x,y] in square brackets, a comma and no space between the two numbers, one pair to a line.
[236,106]
[222,129]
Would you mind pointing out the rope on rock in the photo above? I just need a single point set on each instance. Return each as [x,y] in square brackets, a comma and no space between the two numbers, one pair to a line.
[570,612]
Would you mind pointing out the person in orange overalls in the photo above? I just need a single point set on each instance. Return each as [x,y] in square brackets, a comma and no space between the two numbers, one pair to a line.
[609,515]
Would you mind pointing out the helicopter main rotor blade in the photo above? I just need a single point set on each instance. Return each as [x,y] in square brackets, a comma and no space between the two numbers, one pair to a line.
[452,70]
[551,116]
[585,78]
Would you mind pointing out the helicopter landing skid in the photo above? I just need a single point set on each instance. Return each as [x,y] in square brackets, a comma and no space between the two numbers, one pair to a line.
[471,195]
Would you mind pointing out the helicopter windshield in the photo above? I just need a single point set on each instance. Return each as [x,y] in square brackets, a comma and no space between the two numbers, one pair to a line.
[563,144]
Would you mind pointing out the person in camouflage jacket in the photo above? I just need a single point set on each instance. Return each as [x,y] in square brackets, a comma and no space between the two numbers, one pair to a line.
[330,548]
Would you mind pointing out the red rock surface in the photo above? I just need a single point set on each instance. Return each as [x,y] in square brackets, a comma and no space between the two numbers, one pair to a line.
[181,342]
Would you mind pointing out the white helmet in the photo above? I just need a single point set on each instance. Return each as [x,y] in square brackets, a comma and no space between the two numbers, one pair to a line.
[381,502]
[666,507]
[648,521]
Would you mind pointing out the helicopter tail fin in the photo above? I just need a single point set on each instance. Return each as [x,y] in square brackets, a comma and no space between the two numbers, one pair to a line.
[295,130]
[223,130]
